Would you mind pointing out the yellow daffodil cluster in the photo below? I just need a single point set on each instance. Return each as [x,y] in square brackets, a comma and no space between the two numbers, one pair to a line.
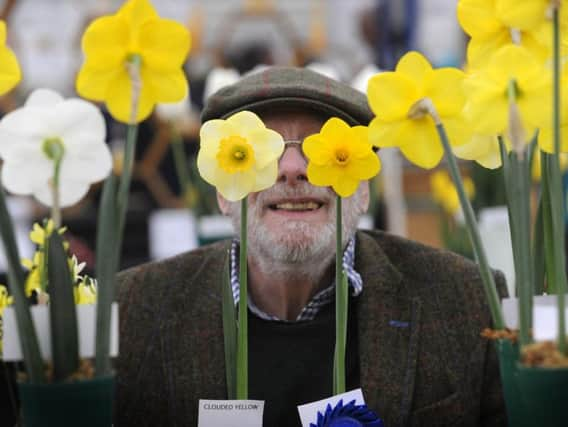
[5,300]
[444,191]
[85,287]
[509,52]
[340,157]
[10,73]
[135,34]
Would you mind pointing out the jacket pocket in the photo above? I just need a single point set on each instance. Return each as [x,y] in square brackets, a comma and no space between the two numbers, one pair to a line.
[444,413]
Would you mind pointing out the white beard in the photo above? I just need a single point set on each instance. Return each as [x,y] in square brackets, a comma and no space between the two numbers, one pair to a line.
[297,247]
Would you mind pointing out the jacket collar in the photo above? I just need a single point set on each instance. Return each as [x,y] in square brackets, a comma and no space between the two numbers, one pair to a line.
[389,325]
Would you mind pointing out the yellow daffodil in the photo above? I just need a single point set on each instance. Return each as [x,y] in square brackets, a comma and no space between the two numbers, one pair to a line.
[393,97]
[10,74]
[487,89]
[39,234]
[493,24]
[444,192]
[239,155]
[482,149]
[111,42]
[85,292]
[340,157]
[5,299]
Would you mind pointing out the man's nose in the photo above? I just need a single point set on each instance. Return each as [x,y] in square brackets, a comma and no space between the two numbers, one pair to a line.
[292,165]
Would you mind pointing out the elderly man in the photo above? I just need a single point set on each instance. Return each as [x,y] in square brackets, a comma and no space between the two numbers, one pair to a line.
[415,313]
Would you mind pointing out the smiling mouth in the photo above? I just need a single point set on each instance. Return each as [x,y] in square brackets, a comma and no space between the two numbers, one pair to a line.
[295,206]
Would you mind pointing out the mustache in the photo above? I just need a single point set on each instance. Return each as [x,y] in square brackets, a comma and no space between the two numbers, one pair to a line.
[303,189]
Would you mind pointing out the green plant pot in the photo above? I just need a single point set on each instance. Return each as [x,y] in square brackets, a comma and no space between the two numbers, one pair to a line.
[509,364]
[545,394]
[83,403]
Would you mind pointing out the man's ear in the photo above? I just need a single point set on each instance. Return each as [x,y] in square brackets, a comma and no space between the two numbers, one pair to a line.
[223,204]
[365,196]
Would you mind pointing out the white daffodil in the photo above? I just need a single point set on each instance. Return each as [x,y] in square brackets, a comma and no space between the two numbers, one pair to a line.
[48,127]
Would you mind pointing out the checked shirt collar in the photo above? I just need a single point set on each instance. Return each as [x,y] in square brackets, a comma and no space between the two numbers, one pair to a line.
[321,299]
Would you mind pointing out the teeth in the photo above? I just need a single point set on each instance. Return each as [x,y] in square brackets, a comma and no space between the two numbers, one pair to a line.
[307,206]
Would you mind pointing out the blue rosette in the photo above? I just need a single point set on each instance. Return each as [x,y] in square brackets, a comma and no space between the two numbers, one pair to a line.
[349,415]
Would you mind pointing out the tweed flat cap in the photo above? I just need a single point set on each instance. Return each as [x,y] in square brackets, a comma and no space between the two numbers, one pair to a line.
[289,87]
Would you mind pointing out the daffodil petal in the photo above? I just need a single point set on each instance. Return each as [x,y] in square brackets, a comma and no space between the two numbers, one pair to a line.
[478,18]
[10,73]
[268,147]
[137,12]
[16,175]
[234,187]
[166,86]
[345,187]
[70,192]
[382,134]
[391,95]
[415,67]
[488,115]
[120,103]
[245,122]
[78,118]
[87,158]
[211,134]
[105,42]
[321,175]
[422,146]
[521,14]
[445,89]
[363,168]
[316,149]
[93,83]
[43,98]
[165,44]
[266,177]
[2,32]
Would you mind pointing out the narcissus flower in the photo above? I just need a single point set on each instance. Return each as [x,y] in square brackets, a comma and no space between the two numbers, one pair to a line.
[393,97]
[493,24]
[239,155]
[10,73]
[111,42]
[340,157]
[487,89]
[45,128]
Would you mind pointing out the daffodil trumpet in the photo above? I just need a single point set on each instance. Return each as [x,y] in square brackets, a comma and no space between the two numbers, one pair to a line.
[425,106]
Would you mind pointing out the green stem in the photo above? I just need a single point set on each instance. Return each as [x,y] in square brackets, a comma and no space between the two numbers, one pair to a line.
[471,223]
[133,67]
[56,200]
[26,329]
[558,214]
[518,193]
[340,306]
[242,346]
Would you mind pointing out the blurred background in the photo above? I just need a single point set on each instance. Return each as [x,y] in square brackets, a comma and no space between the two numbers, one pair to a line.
[171,209]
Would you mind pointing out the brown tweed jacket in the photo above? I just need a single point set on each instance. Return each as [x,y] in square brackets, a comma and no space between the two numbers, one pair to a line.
[422,360]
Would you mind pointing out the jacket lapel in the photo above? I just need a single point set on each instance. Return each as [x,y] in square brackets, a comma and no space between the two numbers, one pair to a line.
[389,325]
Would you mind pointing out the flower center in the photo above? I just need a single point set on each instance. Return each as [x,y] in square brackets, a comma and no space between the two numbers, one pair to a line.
[342,156]
[53,148]
[235,154]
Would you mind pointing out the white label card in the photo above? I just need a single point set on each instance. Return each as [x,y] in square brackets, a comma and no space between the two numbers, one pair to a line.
[309,411]
[230,413]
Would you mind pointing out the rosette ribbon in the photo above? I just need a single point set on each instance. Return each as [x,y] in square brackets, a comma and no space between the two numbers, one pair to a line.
[349,415]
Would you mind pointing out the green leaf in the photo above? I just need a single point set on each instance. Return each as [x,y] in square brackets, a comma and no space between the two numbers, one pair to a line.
[229,332]
[106,266]
[26,329]
[538,249]
[62,310]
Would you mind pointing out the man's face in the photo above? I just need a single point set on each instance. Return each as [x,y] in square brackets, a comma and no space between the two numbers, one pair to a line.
[294,221]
